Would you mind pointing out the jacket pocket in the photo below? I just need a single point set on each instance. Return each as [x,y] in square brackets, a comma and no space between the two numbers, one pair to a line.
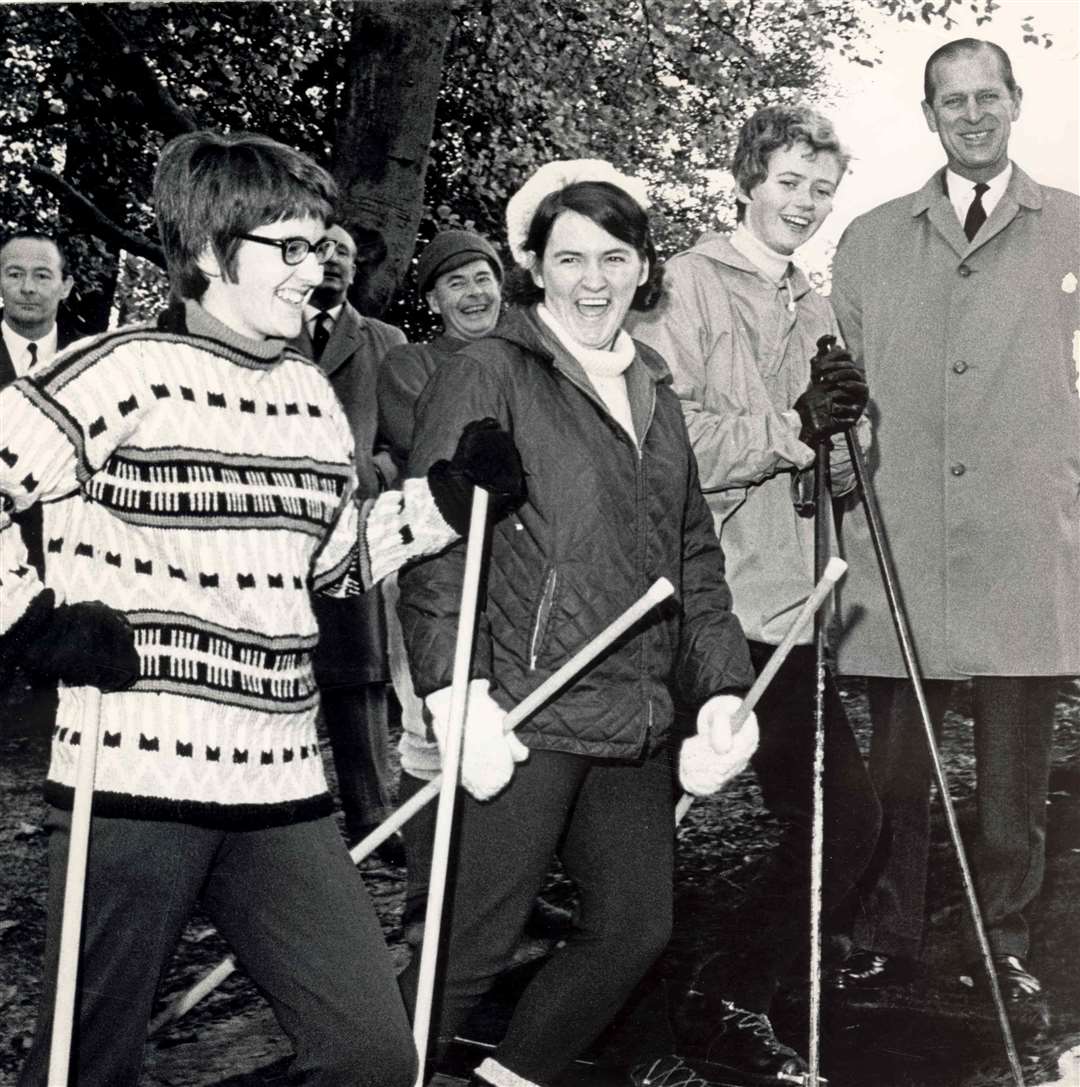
[543,613]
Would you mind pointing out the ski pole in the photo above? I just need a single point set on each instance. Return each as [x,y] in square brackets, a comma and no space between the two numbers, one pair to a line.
[659,591]
[67,974]
[459,695]
[834,570]
[907,651]
[817,833]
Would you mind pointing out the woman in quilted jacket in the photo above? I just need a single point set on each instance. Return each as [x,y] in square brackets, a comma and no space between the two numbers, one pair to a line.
[613,504]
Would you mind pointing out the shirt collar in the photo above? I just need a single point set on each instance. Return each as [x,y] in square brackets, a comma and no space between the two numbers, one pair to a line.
[17,347]
[961,191]
[311,312]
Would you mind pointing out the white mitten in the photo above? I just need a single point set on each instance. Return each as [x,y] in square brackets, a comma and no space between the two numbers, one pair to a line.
[488,753]
[709,760]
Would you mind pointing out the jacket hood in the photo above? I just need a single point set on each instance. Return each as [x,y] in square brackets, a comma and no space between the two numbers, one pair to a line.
[718,247]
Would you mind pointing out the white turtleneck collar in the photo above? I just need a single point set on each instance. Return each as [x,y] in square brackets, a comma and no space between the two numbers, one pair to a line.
[606,369]
[607,362]
[776,267]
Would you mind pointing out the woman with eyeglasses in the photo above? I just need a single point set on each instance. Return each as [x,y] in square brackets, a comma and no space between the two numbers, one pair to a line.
[210,477]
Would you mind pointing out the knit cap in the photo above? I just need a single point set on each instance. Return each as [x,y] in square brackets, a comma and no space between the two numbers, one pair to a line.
[450,249]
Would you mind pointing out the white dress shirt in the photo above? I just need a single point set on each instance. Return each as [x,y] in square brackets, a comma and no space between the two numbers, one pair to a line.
[332,314]
[18,348]
[962,191]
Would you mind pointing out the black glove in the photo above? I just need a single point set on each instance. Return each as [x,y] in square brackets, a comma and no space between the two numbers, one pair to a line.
[836,396]
[83,645]
[485,457]
[834,363]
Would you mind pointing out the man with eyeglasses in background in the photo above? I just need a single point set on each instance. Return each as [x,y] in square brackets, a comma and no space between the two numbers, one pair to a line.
[351,662]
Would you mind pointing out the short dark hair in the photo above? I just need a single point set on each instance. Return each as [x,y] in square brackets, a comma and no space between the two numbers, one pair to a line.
[956,48]
[211,186]
[38,236]
[780,127]
[611,208]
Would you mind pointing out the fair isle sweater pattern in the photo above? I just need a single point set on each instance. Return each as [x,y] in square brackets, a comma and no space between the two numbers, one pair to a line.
[202,484]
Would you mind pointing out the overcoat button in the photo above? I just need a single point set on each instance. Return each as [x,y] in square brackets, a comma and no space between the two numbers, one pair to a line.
[958,469]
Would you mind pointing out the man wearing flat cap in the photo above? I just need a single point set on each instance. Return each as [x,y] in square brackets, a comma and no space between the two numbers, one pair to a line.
[459,275]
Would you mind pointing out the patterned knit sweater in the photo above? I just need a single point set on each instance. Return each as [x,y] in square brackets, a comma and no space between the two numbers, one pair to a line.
[201,483]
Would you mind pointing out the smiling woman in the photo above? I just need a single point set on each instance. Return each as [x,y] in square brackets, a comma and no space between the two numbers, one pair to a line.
[613,503]
[262,294]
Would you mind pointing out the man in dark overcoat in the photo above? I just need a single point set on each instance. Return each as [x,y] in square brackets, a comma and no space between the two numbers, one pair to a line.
[351,660]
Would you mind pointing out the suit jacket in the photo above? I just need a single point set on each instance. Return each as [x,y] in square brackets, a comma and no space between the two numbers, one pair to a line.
[352,632]
[29,521]
[969,354]
[351,361]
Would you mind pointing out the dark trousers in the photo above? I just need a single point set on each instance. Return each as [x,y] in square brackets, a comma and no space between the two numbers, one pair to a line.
[613,828]
[1013,718]
[772,929]
[357,725]
[418,835]
[290,903]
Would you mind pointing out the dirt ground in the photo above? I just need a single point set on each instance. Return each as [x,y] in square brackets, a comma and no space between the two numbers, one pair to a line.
[928,1035]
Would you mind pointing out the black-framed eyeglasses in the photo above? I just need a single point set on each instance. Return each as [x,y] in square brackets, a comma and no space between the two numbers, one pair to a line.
[295,250]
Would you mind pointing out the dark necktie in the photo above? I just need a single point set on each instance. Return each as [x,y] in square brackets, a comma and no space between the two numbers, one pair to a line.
[32,349]
[976,214]
[321,333]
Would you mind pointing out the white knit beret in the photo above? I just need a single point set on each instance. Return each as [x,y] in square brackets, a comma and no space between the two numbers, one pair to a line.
[552,177]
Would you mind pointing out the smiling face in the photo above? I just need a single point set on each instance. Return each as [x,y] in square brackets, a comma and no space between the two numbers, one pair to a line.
[467,299]
[32,285]
[266,296]
[972,113]
[785,209]
[588,277]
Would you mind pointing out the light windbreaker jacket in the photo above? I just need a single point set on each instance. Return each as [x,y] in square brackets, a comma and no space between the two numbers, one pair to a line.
[739,350]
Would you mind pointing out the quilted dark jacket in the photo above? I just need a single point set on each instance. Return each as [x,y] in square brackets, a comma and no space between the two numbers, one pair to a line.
[600,524]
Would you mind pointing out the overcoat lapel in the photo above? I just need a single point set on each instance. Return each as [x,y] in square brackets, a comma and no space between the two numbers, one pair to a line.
[7,366]
[343,342]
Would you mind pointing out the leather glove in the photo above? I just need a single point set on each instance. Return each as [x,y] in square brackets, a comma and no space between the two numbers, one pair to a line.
[488,753]
[485,457]
[709,760]
[82,645]
[833,363]
[836,396]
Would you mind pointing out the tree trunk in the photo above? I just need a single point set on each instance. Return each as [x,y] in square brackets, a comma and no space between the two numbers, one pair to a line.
[394,62]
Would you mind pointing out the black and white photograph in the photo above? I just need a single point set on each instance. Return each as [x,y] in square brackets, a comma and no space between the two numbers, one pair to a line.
[539,543]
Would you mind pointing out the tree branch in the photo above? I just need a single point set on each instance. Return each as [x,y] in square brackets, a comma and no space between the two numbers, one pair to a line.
[129,66]
[32,124]
[81,208]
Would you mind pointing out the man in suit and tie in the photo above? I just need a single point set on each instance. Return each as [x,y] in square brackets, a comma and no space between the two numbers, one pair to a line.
[960,299]
[34,280]
[351,660]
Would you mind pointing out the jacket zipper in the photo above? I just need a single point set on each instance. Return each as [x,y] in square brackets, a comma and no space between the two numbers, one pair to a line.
[542,617]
